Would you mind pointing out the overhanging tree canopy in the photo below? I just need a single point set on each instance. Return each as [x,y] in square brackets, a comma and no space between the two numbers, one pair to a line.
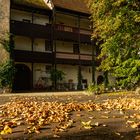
[116,23]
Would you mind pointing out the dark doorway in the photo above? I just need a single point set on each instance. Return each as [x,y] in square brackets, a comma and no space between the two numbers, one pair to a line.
[100,80]
[22,80]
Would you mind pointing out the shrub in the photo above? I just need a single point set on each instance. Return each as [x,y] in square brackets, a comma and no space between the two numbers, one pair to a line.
[7,71]
[56,76]
[92,89]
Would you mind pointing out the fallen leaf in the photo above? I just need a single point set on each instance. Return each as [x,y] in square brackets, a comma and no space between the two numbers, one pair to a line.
[87,125]
[56,136]
[91,118]
[104,117]
[104,125]
[138,117]
[117,133]
[6,130]
[135,125]
[96,124]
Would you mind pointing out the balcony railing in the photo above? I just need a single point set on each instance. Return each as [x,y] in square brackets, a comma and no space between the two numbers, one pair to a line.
[38,27]
[45,57]
[65,55]
[64,32]
[30,29]
[72,29]
[85,57]
[29,56]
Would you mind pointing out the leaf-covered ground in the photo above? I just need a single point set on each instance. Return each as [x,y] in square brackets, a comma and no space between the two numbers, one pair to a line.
[71,117]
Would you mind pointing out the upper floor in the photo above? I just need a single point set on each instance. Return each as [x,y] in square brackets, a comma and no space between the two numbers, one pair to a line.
[58,26]
[39,33]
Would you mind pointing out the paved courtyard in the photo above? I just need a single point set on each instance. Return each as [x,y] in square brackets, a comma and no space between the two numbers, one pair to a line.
[70,115]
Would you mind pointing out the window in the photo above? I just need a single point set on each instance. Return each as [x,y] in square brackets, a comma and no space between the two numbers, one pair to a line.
[76,48]
[48,45]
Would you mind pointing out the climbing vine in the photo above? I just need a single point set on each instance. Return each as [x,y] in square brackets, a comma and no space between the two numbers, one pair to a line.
[7,69]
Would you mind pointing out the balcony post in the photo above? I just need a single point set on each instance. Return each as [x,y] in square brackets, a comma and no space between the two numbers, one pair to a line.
[79,87]
[32,65]
[93,63]
[54,42]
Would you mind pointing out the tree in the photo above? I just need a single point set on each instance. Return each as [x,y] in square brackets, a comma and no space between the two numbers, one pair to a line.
[116,23]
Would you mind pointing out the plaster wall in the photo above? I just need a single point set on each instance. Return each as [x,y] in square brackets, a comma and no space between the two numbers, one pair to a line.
[35,18]
[66,20]
[85,49]
[40,75]
[39,45]
[62,46]
[23,43]
[20,15]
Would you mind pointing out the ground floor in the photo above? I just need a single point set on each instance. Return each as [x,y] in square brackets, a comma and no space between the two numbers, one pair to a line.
[37,76]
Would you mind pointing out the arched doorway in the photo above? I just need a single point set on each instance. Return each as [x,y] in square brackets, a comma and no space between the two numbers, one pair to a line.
[100,80]
[22,80]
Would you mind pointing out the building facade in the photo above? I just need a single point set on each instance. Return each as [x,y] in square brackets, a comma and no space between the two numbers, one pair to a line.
[52,35]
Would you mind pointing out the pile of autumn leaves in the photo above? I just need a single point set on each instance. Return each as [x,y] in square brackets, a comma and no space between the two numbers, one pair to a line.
[36,114]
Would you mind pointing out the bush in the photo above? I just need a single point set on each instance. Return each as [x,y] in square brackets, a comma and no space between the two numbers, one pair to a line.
[56,76]
[95,89]
[7,71]
[92,89]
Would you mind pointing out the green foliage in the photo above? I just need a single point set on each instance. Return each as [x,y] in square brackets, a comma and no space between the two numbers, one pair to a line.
[79,77]
[7,43]
[56,75]
[116,23]
[95,89]
[92,89]
[101,88]
[7,71]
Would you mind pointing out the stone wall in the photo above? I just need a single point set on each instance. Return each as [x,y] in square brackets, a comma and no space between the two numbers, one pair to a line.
[4,27]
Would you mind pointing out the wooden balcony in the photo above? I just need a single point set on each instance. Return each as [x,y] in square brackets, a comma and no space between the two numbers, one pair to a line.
[30,29]
[74,59]
[61,32]
[48,57]
[72,33]
[34,57]
[73,56]
[63,55]
[86,57]
[65,28]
